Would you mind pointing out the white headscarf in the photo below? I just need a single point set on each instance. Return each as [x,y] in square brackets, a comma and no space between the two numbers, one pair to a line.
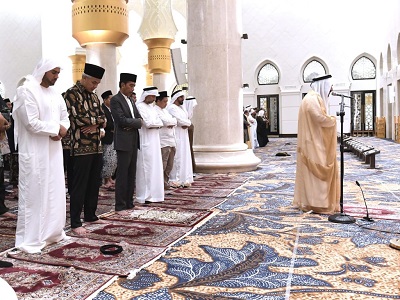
[32,82]
[323,88]
[189,105]
[261,113]
[177,95]
[148,91]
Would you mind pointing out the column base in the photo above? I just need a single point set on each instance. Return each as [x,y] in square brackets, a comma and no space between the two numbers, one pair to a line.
[225,162]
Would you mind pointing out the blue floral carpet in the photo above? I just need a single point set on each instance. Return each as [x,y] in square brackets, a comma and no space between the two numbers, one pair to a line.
[259,246]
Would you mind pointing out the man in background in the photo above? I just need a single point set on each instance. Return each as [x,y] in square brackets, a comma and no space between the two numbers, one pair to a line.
[182,171]
[4,211]
[167,136]
[109,154]
[190,103]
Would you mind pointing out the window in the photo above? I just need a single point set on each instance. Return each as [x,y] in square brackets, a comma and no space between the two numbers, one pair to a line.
[363,68]
[268,75]
[313,69]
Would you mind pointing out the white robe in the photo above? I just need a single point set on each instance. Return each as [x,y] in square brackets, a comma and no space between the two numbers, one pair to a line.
[253,131]
[149,169]
[182,171]
[38,113]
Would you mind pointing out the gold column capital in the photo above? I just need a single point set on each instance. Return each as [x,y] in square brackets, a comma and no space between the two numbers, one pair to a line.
[100,21]
[159,56]
[78,65]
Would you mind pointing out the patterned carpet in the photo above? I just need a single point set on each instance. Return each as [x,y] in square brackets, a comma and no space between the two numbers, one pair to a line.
[258,246]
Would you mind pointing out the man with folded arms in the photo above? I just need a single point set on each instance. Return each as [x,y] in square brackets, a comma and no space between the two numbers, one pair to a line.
[149,173]
[87,118]
[127,121]
[167,136]
[41,121]
[182,171]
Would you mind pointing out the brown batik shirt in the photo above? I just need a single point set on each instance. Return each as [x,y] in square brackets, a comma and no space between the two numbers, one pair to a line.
[84,109]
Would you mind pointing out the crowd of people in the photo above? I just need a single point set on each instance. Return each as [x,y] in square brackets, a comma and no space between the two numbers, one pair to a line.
[255,127]
[137,148]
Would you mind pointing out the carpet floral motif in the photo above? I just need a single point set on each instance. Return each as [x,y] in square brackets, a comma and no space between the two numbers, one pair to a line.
[162,215]
[135,233]
[260,247]
[37,281]
[85,254]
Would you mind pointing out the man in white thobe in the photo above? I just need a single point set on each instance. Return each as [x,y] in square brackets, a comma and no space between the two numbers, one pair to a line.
[167,136]
[182,171]
[190,103]
[149,169]
[41,120]
[253,128]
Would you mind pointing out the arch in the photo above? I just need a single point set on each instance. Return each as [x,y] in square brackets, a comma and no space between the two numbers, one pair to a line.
[363,67]
[312,68]
[389,58]
[268,74]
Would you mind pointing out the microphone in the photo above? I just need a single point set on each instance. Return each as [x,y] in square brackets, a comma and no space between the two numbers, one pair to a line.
[341,95]
[367,218]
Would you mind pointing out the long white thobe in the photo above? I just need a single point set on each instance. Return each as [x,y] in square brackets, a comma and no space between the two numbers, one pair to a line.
[38,113]
[149,169]
[182,171]
[167,132]
[253,132]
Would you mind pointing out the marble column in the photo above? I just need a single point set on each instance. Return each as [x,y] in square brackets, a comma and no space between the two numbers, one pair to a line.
[100,26]
[215,79]
[104,55]
[158,30]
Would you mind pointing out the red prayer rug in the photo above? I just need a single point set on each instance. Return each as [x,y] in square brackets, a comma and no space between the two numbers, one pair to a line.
[84,254]
[6,243]
[8,226]
[189,202]
[135,233]
[162,215]
[377,212]
[203,192]
[37,281]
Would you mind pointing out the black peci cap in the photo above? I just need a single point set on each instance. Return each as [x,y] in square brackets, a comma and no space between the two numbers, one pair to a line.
[94,71]
[126,77]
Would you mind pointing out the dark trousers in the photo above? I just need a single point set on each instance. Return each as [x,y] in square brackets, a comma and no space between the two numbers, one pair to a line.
[68,168]
[125,179]
[85,188]
[3,208]
[190,132]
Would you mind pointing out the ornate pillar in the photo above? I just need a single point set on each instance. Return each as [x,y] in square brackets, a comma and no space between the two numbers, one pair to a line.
[158,31]
[100,26]
[78,65]
[215,79]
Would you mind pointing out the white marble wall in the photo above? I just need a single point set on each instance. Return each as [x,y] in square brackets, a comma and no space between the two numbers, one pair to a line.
[286,33]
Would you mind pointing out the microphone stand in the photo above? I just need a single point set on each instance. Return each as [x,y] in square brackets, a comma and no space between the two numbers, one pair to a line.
[341,217]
